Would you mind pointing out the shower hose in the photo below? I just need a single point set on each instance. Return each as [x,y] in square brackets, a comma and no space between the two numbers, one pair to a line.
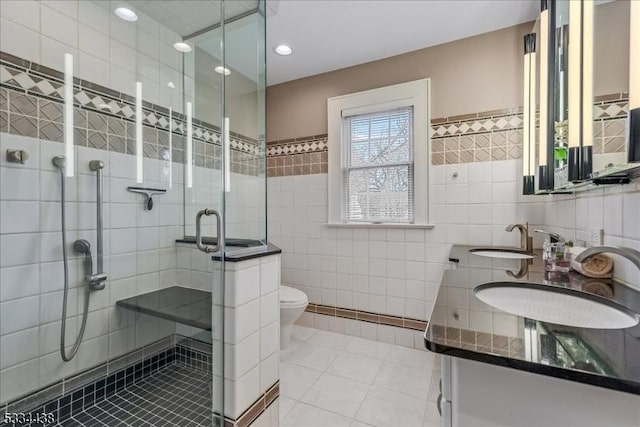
[67,357]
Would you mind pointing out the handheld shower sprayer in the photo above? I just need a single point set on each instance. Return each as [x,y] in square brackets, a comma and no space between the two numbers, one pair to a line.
[94,281]
[81,246]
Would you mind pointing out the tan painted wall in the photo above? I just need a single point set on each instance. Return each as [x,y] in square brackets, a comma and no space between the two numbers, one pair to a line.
[479,73]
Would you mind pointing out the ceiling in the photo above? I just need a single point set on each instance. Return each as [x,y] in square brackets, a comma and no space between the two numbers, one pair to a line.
[189,16]
[328,35]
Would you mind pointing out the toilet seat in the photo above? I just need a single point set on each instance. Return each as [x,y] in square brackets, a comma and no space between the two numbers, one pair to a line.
[291,297]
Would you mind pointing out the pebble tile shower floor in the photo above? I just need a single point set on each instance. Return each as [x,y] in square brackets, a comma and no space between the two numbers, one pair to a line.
[174,396]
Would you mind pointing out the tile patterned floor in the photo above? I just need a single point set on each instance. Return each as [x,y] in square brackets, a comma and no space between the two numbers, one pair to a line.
[175,396]
[334,380]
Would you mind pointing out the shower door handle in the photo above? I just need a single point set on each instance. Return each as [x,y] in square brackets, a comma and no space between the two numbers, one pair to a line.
[208,248]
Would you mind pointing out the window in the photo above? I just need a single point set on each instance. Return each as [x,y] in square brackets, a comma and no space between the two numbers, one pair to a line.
[377,182]
[378,152]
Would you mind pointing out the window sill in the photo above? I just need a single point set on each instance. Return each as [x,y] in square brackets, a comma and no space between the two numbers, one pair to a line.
[381,225]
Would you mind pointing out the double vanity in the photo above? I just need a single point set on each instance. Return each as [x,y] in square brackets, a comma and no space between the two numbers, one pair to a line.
[525,347]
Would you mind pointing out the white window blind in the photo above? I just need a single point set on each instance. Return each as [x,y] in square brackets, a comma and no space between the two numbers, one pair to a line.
[378,167]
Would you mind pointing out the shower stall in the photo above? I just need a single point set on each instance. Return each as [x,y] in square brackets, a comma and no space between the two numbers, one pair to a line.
[135,272]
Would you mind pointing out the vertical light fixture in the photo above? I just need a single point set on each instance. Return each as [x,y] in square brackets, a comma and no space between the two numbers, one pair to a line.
[139,155]
[575,75]
[189,159]
[170,147]
[68,116]
[634,83]
[529,115]
[586,156]
[227,156]
[580,89]
[545,72]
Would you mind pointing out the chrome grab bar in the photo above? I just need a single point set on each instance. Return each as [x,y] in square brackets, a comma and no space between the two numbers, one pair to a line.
[208,248]
[96,281]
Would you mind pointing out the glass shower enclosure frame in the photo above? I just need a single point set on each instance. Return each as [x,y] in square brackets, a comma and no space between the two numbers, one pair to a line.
[224,91]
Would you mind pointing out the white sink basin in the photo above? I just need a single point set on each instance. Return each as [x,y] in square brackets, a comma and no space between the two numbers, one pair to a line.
[501,253]
[552,304]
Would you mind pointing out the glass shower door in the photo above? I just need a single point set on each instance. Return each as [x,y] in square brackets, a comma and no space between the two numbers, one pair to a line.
[204,207]
[225,175]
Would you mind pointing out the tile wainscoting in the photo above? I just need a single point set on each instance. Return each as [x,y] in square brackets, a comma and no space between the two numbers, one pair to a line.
[475,182]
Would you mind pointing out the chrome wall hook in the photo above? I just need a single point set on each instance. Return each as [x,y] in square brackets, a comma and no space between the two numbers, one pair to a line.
[149,193]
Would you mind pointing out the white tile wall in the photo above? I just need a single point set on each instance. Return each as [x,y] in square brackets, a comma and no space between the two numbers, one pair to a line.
[245,204]
[612,209]
[393,271]
[251,321]
[31,271]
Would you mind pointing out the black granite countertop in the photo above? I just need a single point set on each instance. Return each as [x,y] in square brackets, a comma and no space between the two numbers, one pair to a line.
[463,326]
[183,305]
[250,253]
[237,249]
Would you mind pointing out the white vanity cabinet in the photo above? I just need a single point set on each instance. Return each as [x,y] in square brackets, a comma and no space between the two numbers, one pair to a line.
[477,394]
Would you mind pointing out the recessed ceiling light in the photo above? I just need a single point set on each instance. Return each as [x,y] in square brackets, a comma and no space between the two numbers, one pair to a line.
[171,85]
[222,70]
[126,14]
[182,47]
[283,49]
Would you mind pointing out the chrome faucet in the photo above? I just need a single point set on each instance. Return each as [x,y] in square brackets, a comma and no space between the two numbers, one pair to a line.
[526,241]
[628,253]
[554,237]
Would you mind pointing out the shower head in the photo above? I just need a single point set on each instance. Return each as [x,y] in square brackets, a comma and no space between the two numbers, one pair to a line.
[81,246]
[60,162]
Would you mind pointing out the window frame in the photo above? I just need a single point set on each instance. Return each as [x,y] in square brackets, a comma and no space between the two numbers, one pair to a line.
[414,94]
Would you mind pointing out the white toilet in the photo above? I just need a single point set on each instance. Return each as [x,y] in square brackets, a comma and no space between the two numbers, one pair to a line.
[292,304]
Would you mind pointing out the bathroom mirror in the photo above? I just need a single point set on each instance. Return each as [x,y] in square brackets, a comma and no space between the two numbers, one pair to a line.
[610,84]
[592,98]
[559,80]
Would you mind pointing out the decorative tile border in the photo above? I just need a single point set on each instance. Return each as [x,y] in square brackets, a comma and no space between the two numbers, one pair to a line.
[610,123]
[300,156]
[468,124]
[474,340]
[468,138]
[310,144]
[381,319]
[479,137]
[256,409]
[31,105]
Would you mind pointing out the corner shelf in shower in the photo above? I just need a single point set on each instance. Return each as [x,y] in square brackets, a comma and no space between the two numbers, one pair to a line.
[179,304]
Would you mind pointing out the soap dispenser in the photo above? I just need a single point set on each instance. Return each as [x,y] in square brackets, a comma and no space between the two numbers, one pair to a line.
[554,252]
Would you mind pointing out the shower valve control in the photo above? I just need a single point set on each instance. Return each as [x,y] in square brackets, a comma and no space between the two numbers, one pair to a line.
[97,281]
[17,156]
